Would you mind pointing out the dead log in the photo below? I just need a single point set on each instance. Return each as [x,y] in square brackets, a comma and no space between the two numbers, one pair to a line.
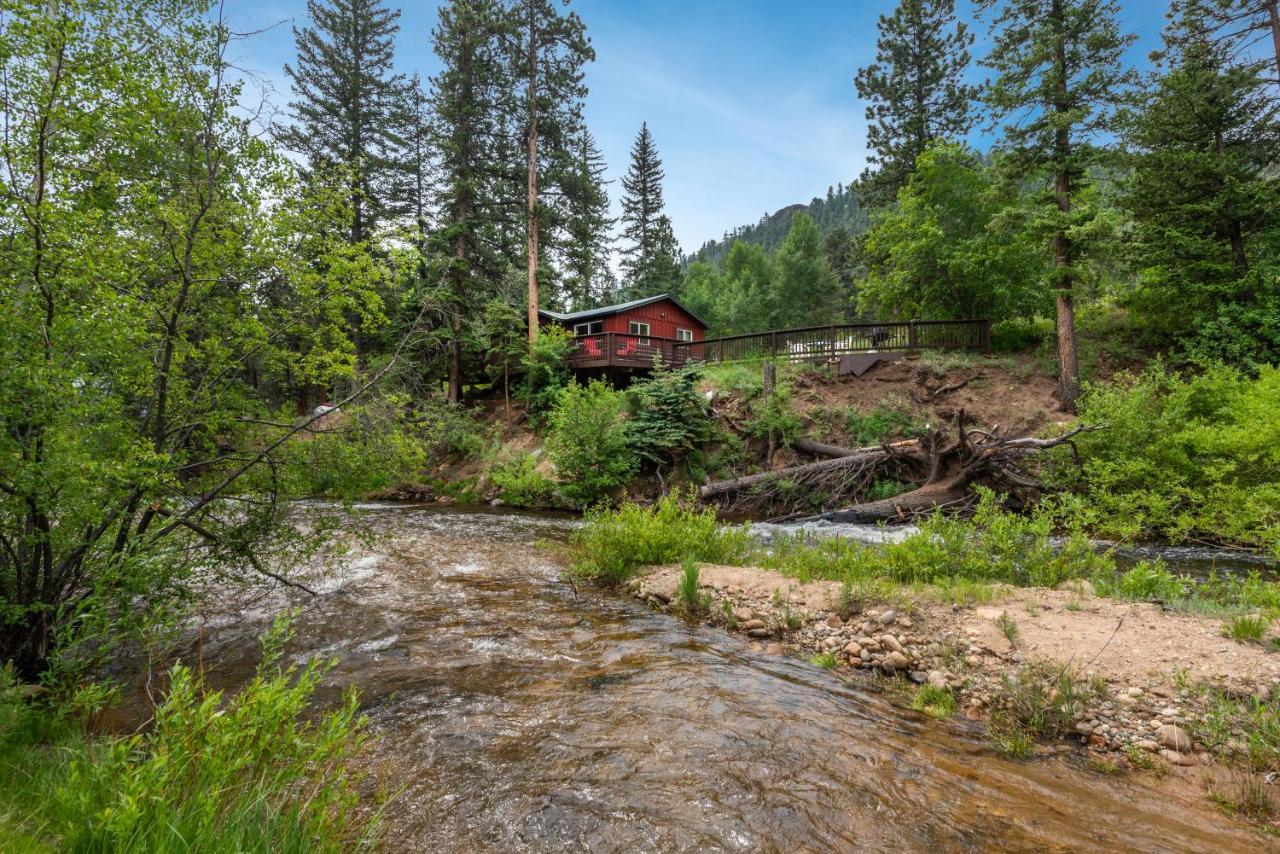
[954,466]
[822,449]
[868,456]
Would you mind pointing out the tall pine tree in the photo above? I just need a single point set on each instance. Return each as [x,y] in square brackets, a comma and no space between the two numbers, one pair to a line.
[587,225]
[550,50]
[348,104]
[467,101]
[1203,142]
[1059,80]
[650,264]
[915,90]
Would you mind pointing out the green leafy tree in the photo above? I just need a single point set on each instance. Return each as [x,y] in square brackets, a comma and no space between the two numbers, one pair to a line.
[504,331]
[588,442]
[1058,81]
[805,291]
[163,273]
[649,264]
[349,105]
[915,89]
[944,252]
[1202,193]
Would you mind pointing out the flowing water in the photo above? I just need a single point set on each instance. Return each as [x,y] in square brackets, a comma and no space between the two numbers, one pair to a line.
[514,713]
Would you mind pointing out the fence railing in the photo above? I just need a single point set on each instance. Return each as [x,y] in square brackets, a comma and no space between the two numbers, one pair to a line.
[808,343]
[815,342]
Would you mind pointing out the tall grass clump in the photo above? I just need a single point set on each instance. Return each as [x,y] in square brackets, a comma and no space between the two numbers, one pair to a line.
[689,596]
[613,543]
[213,773]
[1041,700]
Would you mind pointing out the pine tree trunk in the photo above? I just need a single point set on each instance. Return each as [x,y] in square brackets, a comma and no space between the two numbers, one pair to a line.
[533,178]
[455,315]
[1068,364]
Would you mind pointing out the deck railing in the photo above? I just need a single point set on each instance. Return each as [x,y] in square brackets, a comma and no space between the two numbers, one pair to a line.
[810,343]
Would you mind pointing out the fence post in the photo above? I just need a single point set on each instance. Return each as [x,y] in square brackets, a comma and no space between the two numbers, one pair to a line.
[773,343]
[831,336]
[984,335]
[911,335]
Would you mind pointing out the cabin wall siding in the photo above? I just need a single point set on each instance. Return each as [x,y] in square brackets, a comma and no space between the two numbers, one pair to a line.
[663,317]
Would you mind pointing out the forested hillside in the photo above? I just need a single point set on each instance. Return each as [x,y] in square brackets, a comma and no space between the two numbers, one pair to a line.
[839,209]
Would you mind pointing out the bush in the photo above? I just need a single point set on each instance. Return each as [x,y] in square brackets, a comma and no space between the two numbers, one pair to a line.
[613,544]
[245,773]
[1041,700]
[1184,457]
[1018,335]
[450,430]
[881,423]
[520,484]
[362,450]
[588,442]
[547,369]
[667,420]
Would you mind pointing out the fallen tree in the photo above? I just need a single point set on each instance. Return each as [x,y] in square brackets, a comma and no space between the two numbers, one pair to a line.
[944,465]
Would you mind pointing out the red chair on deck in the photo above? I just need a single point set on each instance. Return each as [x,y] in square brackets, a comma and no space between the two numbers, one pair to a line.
[592,348]
[628,349]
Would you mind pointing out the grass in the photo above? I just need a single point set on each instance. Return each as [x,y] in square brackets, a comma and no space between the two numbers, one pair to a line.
[1103,765]
[948,560]
[1247,628]
[1039,700]
[933,701]
[825,660]
[690,600]
[244,773]
[1144,761]
[1008,627]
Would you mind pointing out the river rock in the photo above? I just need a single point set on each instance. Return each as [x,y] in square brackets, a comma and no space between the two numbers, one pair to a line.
[890,643]
[497,502]
[759,632]
[853,649]
[751,625]
[774,649]
[1173,737]
[743,614]
[834,621]
[1174,757]
[887,618]
[1147,745]
[897,660]
[938,679]
[919,677]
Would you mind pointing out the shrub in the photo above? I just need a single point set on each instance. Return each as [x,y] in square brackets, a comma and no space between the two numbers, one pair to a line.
[613,543]
[1183,457]
[588,442]
[520,484]
[547,369]
[362,450]
[244,773]
[1041,700]
[825,660]
[667,420]
[1145,581]
[880,424]
[450,430]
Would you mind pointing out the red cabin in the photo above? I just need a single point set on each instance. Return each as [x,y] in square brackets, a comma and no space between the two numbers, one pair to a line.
[631,335]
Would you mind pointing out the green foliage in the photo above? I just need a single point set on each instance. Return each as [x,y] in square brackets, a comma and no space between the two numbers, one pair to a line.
[825,660]
[649,263]
[933,701]
[547,369]
[915,89]
[255,771]
[1008,627]
[943,252]
[1146,581]
[880,424]
[449,430]
[1183,456]
[167,281]
[612,544]
[365,449]
[1201,144]
[1041,700]
[805,290]
[667,420]
[1247,730]
[690,599]
[588,442]
[520,484]
[1247,628]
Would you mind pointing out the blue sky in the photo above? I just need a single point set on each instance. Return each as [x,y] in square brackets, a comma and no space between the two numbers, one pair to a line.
[751,103]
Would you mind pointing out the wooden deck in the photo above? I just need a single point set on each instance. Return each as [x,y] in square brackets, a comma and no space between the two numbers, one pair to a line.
[813,343]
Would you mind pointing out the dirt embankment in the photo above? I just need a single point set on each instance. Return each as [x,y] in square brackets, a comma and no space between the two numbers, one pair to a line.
[1144,661]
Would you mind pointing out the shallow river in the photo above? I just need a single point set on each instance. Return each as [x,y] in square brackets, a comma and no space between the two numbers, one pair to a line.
[515,714]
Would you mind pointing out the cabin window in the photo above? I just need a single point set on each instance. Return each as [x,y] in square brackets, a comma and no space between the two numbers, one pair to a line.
[594,327]
[641,329]
[684,334]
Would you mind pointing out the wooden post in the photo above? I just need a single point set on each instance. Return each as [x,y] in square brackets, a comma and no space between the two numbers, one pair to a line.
[911,335]
[831,335]
[773,343]
[766,392]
